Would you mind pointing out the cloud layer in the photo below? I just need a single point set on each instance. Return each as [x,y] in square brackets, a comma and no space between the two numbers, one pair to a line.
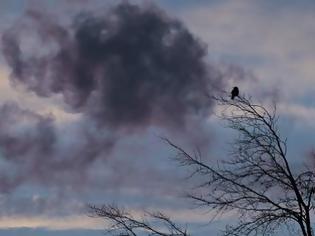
[129,67]
[123,70]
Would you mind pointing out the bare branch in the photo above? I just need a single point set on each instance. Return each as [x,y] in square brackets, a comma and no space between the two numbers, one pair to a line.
[121,222]
[256,181]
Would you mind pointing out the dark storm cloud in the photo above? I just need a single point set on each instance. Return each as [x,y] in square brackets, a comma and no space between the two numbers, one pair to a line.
[33,148]
[127,68]
[24,136]
[123,70]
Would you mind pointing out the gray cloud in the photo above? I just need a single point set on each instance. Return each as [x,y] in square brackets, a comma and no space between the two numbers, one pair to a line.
[124,70]
[34,149]
[25,138]
[127,68]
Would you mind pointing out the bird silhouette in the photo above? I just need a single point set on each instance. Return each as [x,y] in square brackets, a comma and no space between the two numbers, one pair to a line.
[234,92]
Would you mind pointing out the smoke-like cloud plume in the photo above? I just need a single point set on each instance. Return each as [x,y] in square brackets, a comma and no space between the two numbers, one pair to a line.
[124,70]
[129,67]
[25,140]
[33,148]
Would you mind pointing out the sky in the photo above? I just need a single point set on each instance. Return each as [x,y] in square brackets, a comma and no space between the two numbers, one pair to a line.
[75,131]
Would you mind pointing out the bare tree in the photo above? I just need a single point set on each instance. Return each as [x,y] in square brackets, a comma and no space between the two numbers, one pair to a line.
[256,181]
[123,223]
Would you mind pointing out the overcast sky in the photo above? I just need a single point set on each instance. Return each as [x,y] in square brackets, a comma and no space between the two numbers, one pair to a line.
[88,87]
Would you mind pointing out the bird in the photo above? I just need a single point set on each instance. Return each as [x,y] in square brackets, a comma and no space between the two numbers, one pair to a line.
[234,92]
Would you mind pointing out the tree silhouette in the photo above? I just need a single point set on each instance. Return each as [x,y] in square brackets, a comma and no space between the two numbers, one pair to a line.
[122,223]
[257,181]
